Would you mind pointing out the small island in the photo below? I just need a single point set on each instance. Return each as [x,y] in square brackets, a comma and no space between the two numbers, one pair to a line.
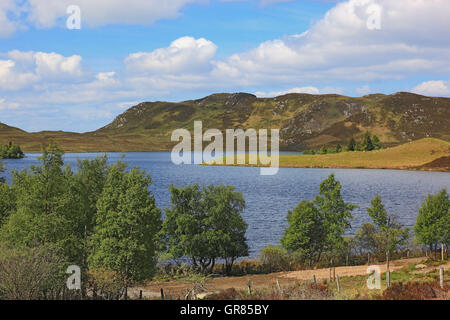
[11,151]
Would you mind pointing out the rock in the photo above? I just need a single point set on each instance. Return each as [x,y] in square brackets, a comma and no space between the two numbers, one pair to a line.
[421,266]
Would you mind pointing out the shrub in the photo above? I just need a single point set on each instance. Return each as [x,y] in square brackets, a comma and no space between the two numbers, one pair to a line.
[413,291]
[31,274]
[275,259]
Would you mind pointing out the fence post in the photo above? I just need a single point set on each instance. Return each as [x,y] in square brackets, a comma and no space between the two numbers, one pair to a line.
[441,276]
[162,294]
[388,278]
[314,278]
[338,284]
[140,294]
[249,284]
[334,274]
[279,286]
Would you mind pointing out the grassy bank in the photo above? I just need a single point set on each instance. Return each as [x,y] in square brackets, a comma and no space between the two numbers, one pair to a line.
[423,154]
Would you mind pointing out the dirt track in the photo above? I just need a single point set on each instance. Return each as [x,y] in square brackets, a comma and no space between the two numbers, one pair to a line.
[175,289]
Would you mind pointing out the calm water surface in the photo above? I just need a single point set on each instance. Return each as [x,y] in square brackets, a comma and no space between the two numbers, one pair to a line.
[268,198]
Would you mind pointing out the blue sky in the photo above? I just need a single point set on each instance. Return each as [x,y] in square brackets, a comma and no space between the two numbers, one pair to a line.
[53,78]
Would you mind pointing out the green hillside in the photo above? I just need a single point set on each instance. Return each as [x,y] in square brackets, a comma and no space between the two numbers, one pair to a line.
[304,120]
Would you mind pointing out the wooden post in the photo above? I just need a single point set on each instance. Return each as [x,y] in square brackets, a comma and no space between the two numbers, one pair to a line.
[388,278]
[140,294]
[314,278]
[346,260]
[249,284]
[338,284]
[334,274]
[162,294]
[441,276]
[387,260]
[330,274]
[279,286]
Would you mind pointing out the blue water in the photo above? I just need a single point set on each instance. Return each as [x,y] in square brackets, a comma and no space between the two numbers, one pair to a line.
[269,198]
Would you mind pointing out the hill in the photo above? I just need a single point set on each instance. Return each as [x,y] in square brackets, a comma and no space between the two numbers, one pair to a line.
[423,154]
[304,120]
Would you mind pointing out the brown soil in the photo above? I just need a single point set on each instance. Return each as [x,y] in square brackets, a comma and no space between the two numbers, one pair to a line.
[178,288]
[441,164]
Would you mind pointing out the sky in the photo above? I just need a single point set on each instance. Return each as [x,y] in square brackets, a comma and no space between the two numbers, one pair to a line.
[74,65]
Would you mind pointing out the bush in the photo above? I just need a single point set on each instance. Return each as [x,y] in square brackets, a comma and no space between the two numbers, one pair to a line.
[31,274]
[106,284]
[275,259]
[413,291]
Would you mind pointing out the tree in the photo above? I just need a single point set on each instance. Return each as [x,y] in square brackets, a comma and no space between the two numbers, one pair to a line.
[88,184]
[7,202]
[318,227]
[46,213]
[335,211]
[306,232]
[433,221]
[127,223]
[2,169]
[323,150]
[11,151]
[351,145]
[366,143]
[376,143]
[206,224]
[389,236]
[31,273]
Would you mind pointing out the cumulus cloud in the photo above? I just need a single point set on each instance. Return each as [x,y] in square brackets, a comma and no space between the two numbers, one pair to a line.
[433,88]
[7,26]
[45,13]
[21,69]
[340,46]
[184,55]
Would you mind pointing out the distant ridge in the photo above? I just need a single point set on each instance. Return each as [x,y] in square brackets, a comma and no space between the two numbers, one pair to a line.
[304,120]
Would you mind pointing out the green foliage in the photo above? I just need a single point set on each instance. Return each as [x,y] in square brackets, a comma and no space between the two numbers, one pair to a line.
[31,273]
[366,143]
[433,221]
[376,142]
[275,259]
[127,223]
[384,234]
[206,224]
[351,145]
[306,231]
[46,210]
[11,151]
[2,169]
[336,212]
[7,201]
[317,227]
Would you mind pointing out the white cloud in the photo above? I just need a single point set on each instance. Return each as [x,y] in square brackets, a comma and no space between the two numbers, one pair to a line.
[45,13]
[433,88]
[184,55]
[22,69]
[412,40]
[7,27]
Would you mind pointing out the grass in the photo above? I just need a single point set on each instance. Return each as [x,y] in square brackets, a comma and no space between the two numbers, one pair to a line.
[412,155]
